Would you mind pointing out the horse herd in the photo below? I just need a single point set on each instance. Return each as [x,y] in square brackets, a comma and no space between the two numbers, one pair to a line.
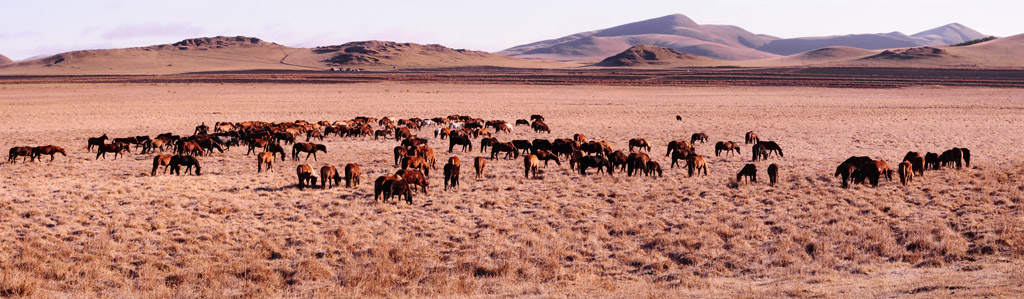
[415,158]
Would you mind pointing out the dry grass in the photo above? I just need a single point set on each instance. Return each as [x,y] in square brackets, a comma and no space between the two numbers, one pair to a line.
[82,227]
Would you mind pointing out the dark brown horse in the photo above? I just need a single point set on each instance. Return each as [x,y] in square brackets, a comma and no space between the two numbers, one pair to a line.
[639,143]
[539,126]
[698,137]
[189,162]
[749,172]
[595,162]
[161,160]
[653,167]
[678,145]
[727,146]
[478,165]
[116,148]
[462,140]
[19,151]
[414,178]
[546,156]
[308,148]
[383,186]
[97,141]
[306,176]
[451,175]
[751,137]
[773,174]
[329,177]
[636,163]
[352,175]
[510,150]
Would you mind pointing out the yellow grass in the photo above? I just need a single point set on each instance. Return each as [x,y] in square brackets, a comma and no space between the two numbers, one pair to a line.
[83,227]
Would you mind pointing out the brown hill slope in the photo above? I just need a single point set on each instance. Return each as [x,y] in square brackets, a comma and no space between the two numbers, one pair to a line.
[4,60]
[386,54]
[647,56]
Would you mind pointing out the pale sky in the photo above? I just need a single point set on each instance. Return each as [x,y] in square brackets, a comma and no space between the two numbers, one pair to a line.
[43,27]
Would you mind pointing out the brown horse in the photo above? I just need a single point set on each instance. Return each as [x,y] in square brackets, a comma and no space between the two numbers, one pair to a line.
[116,148]
[530,163]
[580,138]
[306,176]
[427,153]
[636,163]
[678,145]
[311,134]
[749,171]
[38,151]
[19,151]
[161,160]
[190,148]
[698,163]
[773,174]
[264,158]
[97,141]
[652,167]
[329,177]
[906,170]
[462,140]
[539,126]
[751,137]
[848,167]
[510,150]
[487,142]
[698,137]
[522,122]
[478,165]
[451,175]
[931,161]
[275,148]
[951,157]
[454,160]
[916,161]
[253,145]
[414,178]
[546,156]
[727,146]
[189,162]
[639,143]
[308,148]
[680,155]
[415,162]
[595,162]
[382,186]
[352,175]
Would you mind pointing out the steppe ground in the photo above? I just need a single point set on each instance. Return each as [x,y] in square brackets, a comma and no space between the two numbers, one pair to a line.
[84,227]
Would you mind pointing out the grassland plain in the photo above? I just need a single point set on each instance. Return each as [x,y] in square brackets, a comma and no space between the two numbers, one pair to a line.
[78,226]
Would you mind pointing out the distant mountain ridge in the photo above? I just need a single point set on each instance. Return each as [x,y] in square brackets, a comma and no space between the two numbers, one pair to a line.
[725,42]
[5,60]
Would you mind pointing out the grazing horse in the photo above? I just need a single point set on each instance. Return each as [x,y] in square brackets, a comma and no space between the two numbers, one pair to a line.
[177,161]
[967,156]
[696,162]
[276,148]
[546,156]
[916,161]
[400,152]
[536,117]
[678,145]
[530,163]
[758,152]
[308,148]
[749,172]
[680,155]
[306,176]
[951,157]
[451,176]
[503,128]
[639,143]
[478,165]
[116,148]
[636,162]
[316,134]
[352,175]
[652,167]
[727,146]
[415,162]
[510,150]
[97,141]
[39,151]
[595,162]
[618,159]
[751,137]
[592,147]
[190,148]
[161,160]
[414,177]
[770,147]
[523,145]
[539,126]
[208,145]
[679,118]
[773,174]
[906,170]
[522,122]
[255,144]
[399,188]
[382,185]
[427,153]
[848,167]
[440,132]
[869,171]
[462,140]
[264,158]
[698,137]
[583,138]
[541,144]
[329,177]
[401,133]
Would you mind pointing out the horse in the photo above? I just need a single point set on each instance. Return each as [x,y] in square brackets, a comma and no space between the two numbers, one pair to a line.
[382,186]
[315,134]
[415,162]
[464,141]
[288,137]
[770,147]
[522,122]
[306,176]
[454,160]
[749,172]
[414,177]
[540,144]
[950,157]
[639,143]
[255,144]
[536,117]
[679,118]
[116,148]
[696,162]
[39,151]
[503,128]
[208,145]
[96,141]
[916,161]
[592,147]
[478,165]
[18,151]
[524,146]
[906,170]
[276,148]
[651,168]
[727,146]
[931,160]
[580,138]
[161,160]
[308,148]
[773,174]
[511,152]
[758,151]
[451,175]
[539,126]
[546,156]
[329,177]
[967,156]
[636,162]
[352,175]
[560,147]
[427,153]
[401,133]
[190,148]
[680,155]
[678,145]
[413,141]
[751,137]
[530,163]
[487,142]
[698,137]
[177,161]
[264,158]
[595,162]
[618,159]
[848,167]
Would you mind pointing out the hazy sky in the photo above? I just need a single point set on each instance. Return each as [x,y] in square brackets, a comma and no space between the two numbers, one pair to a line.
[36,27]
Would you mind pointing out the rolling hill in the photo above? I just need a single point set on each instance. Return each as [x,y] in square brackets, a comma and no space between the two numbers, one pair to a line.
[645,55]
[4,60]
[724,42]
